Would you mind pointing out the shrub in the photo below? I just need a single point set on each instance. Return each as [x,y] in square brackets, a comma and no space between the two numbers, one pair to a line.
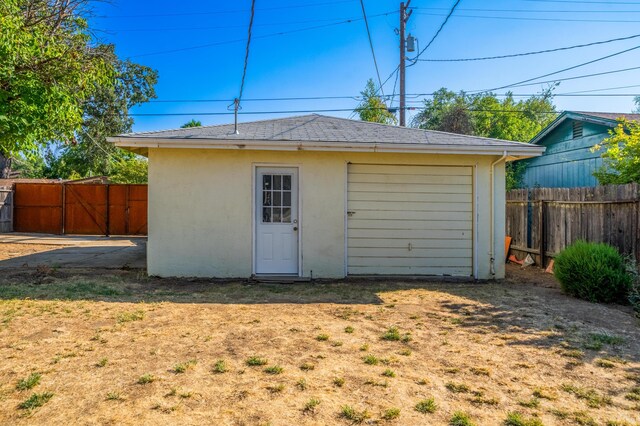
[593,271]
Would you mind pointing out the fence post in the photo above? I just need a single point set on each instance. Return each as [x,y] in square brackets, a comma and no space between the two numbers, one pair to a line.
[541,231]
[63,207]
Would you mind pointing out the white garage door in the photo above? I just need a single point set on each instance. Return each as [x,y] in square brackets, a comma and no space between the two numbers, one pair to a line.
[409,220]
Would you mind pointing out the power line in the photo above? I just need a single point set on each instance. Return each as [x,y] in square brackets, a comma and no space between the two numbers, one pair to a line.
[246,55]
[600,90]
[373,53]
[530,10]
[203,46]
[520,83]
[567,78]
[484,58]
[631,3]
[437,32]
[316,111]
[519,18]
[222,12]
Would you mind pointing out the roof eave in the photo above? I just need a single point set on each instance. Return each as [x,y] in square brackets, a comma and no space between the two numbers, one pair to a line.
[571,115]
[141,146]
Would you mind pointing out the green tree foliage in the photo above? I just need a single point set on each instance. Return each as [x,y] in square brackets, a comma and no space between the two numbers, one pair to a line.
[487,116]
[372,108]
[621,156]
[49,66]
[192,123]
[637,101]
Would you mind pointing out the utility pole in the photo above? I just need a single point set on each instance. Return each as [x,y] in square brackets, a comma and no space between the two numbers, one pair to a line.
[404,17]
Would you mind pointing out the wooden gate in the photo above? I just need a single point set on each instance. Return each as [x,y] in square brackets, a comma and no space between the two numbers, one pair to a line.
[89,209]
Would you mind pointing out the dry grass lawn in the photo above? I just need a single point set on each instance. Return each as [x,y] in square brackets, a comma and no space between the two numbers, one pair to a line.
[116,347]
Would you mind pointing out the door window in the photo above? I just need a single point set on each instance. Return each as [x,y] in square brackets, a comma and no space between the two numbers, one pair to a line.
[276,198]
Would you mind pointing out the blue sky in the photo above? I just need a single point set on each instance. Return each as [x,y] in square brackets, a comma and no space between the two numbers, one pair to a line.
[335,59]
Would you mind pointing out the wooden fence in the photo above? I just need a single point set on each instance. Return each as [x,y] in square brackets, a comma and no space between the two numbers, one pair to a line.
[72,208]
[6,210]
[543,221]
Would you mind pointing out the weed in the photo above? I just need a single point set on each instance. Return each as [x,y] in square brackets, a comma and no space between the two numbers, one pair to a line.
[35,400]
[393,334]
[480,371]
[130,316]
[617,423]
[276,388]
[146,378]
[595,341]
[336,343]
[634,394]
[370,359]
[102,362]
[457,387]
[603,363]
[364,347]
[372,382]
[353,415]
[388,373]
[311,405]
[481,400]
[220,366]
[405,352]
[30,382]
[307,366]
[517,419]
[338,381]
[391,413]
[593,399]
[184,366]
[543,394]
[274,369]
[301,384]
[256,361]
[583,419]
[322,337]
[426,406]
[532,403]
[422,382]
[114,396]
[349,329]
[460,418]
[573,353]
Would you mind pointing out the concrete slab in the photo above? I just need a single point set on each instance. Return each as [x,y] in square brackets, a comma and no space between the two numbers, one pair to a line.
[77,251]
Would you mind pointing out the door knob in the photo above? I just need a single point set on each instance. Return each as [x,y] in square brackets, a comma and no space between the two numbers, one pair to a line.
[295,228]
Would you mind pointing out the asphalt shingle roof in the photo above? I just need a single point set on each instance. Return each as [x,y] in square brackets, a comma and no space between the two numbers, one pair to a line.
[321,128]
[610,115]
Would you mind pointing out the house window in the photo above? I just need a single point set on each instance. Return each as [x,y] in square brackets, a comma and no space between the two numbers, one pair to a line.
[577,129]
[276,198]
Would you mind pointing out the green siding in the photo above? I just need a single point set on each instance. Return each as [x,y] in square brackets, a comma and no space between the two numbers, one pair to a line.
[567,162]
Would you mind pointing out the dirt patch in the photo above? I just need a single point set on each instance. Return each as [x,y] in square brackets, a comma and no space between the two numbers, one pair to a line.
[116,347]
[9,251]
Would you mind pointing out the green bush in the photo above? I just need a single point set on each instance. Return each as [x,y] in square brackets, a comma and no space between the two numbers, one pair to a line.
[594,272]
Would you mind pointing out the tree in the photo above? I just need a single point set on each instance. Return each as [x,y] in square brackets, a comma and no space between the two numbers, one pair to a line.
[49,66]
[637,101]
[192,123]
[372,108]
[487,116]
[621,156]
[106,113]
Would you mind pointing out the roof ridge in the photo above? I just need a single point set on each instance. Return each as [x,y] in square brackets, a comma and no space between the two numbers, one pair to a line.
[180,129]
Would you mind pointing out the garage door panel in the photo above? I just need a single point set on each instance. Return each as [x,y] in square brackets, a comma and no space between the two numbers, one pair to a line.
[409,234]
[416,189]
[404,197]
[415,225]
[408,206]
[410,179]
[426,243]
[398,262]
[378,169]
[428,270]
[404,252]
[410,220]
[422,216]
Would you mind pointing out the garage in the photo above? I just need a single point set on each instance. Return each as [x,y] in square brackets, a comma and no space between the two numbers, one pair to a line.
[409,220]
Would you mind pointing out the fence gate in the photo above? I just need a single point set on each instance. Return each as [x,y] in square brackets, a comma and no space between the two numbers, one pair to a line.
[90,209]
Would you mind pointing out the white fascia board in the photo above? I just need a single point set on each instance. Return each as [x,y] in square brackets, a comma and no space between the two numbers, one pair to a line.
[517,151]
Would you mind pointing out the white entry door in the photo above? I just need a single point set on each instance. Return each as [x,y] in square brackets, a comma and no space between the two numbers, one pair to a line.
[276,221]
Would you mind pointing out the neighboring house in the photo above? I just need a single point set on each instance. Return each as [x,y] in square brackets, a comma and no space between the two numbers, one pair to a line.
[568,160]
[324,197]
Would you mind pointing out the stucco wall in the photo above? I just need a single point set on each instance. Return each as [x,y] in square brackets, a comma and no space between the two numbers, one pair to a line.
[200,209]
